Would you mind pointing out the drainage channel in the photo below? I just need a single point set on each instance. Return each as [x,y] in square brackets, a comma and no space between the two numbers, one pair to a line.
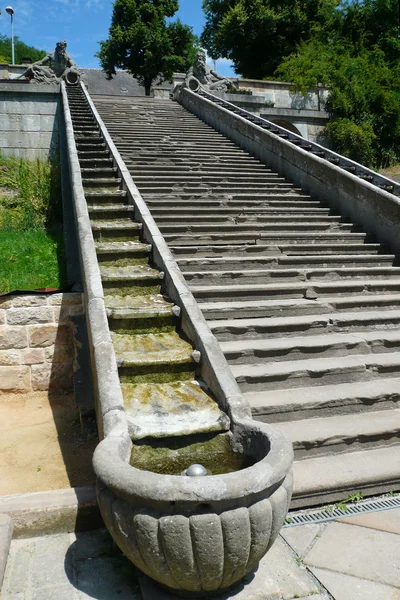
[332,512]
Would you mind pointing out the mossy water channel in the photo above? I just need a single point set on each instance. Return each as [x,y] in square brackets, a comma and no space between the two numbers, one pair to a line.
[173,455]
[159,374]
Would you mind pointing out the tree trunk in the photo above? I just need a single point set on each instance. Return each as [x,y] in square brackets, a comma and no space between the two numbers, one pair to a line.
[147,87]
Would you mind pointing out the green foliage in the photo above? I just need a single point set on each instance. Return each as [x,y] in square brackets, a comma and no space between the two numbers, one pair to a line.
[256,34]
[356,52]
[21,50]
[30,194]
[141,41]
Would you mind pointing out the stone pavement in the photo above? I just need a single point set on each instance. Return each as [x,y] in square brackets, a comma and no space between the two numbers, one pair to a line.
[355,558]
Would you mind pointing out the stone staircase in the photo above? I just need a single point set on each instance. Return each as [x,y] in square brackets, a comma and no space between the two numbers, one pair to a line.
[304,304]
[157,367]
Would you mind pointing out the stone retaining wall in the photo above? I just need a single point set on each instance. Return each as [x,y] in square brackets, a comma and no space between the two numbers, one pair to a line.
[37,342]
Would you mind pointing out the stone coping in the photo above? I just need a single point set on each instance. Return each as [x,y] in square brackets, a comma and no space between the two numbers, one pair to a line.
[30,88]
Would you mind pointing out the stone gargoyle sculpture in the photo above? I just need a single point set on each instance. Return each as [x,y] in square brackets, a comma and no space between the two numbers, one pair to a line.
[53,67]
[201,76]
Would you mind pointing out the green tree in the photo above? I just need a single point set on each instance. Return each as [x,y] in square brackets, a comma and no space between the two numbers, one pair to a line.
[142,42]
[256,34]
[356,52]
[21,50]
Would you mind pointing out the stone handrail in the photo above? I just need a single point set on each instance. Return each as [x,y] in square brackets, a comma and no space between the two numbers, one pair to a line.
[337,159]
[366,204]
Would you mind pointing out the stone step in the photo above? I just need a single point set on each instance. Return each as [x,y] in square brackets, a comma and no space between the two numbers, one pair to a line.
[214,178]
[105,172]
[253,237]
[89,141]
[95,163]
[93,154]
[116,302]
[116,249]
[168,161]
[320,480]
[293,404]
[120,228]
[322,436]
[110,211]
[272,199]
[315,371]
[175,409]
[263,228]
[95,195]
[260,249]
[284,262]
[268,203]
[246,351]
[308,324]
[130,273]
[259,217]
[101,182]
[295,307]
[188,214]
[310,274]
[152,349]
[200,171]
[297,289]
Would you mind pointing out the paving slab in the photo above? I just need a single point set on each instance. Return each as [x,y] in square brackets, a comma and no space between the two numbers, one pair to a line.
[79,566]
[300,538]
[6,530]
[278,577]
[358,551]
[385,520]
[346,587]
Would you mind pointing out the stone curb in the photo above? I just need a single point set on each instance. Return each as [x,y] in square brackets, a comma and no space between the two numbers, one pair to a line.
[53,511]
[6,531]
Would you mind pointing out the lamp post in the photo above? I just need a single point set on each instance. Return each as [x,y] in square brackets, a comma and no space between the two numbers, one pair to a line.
[10,11]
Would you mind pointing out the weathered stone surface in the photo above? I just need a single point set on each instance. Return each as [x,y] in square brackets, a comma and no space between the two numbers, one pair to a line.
[22,301]
[2,317]
[64,313]
[52,377]
[48,335]
[29,316]
[388,520]
[10,357]
[13,337]
[15,379]
[278,577]
[66,299]
[33,356]
[359,552]
[59,353]
[6,529]
[346,587]
[300,538]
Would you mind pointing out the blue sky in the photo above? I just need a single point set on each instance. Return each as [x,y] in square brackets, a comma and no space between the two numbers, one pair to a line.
[82,23]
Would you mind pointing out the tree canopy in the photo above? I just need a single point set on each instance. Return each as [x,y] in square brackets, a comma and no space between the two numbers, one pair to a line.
[144,43]
[256,34]
[21,50]
[356,52]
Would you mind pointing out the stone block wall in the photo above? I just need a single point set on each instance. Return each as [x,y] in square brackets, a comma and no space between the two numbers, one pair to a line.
[29,120]
[37,342]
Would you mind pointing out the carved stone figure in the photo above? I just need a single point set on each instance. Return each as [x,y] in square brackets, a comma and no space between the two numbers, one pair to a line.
[201,76]
[53,67]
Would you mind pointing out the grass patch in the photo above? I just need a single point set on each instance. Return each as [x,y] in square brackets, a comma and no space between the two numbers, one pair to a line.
[392,172]
[31,238]
[31,259]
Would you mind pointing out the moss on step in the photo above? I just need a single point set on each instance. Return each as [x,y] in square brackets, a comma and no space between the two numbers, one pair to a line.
[144,323]
[143,302]
[130,289]
[151,348]
[157,373]
[173,455]
[106,260]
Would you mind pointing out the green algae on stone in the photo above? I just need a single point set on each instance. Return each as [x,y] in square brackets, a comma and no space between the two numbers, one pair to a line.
[171,456]
[165,409]
[152,348]
[129,288]
[158,373]
[106,261]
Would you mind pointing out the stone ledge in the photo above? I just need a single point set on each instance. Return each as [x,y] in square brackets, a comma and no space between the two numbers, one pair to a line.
[54,511]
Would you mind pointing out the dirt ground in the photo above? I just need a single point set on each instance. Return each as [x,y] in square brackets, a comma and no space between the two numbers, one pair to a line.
[42,446]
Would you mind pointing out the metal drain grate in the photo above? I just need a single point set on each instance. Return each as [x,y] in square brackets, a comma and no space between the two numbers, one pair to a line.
[331,512]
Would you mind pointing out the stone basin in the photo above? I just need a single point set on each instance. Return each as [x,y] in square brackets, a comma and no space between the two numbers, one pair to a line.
[197,536]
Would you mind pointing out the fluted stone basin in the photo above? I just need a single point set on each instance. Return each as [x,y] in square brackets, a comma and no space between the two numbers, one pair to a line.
[197,535]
